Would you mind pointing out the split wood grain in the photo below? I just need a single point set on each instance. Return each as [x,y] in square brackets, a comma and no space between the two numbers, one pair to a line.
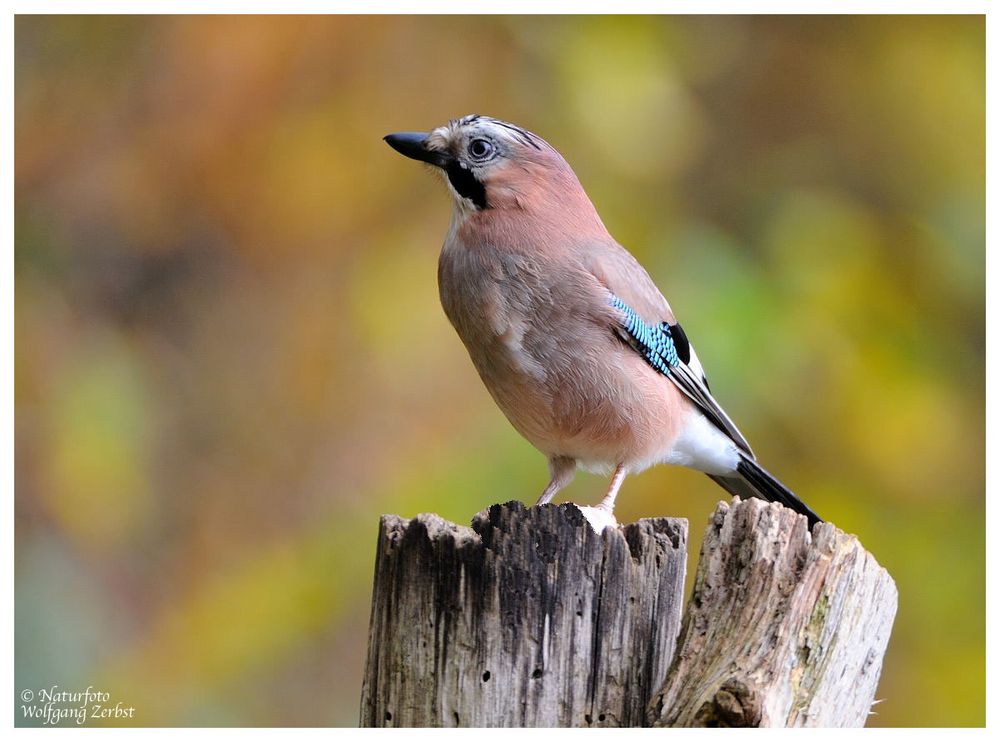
[784,627]
[529,618]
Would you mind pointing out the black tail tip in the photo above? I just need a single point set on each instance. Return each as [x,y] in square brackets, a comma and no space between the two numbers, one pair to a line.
[771,489]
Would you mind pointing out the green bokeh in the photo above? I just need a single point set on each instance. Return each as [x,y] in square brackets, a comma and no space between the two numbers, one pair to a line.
[230,357]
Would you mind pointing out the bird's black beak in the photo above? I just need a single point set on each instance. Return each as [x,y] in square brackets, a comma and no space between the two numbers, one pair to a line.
[413,144]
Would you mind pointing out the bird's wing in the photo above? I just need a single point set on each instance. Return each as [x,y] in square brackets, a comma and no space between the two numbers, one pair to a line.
[619,272]
[665,347]
[647,323]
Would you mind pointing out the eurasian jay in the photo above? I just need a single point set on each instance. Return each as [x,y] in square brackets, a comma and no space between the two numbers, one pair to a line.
[568,332]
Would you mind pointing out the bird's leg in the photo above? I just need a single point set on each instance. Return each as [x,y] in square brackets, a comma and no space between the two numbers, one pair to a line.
[608,503]
[562,470]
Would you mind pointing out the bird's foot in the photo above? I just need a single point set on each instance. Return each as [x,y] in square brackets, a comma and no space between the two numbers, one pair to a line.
[599,518]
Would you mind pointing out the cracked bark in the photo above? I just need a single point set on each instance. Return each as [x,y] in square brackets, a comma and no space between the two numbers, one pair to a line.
[530,618]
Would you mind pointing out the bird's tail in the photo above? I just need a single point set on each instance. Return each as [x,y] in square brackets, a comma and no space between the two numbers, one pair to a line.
[752,480]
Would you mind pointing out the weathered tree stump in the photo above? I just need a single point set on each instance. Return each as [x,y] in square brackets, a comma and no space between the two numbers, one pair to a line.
[531,618]
[784,627]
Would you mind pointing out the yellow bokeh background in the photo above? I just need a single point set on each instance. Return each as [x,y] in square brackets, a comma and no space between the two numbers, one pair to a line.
[230,356]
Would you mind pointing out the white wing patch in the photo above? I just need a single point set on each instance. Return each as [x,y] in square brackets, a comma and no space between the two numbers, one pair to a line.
[695,364]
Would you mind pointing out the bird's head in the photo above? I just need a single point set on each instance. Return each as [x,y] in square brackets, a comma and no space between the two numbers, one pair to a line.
[495,166]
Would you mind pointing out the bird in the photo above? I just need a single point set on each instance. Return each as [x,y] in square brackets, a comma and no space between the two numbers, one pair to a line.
[571,337]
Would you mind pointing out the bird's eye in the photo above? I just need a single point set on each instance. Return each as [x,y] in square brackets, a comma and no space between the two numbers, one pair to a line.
[480,149]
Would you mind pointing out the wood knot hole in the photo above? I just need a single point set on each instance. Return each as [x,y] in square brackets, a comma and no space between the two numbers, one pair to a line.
[734,704]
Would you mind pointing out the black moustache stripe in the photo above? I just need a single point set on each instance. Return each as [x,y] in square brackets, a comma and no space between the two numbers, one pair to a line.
[466,185]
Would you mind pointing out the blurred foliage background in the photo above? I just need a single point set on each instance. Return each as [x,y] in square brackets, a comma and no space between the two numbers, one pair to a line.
[230,356]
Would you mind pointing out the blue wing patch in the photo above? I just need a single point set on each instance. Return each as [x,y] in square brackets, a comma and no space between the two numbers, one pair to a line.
[653,342]
[666,348]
